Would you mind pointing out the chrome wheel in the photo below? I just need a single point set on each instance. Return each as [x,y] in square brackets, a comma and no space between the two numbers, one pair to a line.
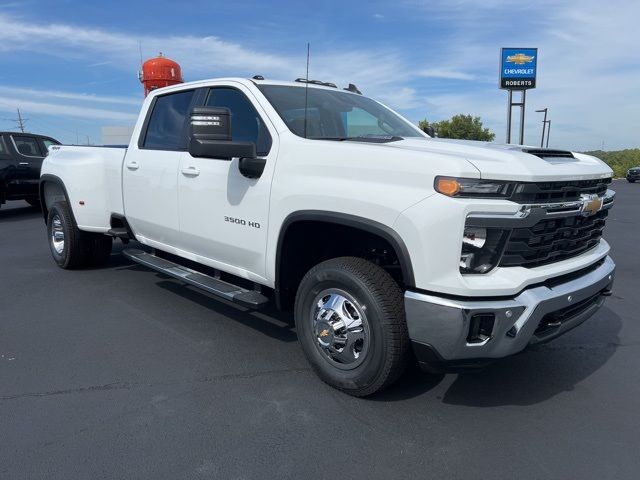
[57,234]
[340,328]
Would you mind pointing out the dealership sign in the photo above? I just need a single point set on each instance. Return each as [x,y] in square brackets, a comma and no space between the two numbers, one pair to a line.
[518,68]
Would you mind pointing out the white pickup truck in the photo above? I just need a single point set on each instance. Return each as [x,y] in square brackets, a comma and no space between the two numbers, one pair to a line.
[388,244]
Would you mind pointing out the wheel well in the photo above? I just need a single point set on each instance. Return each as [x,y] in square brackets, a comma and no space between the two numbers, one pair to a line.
[50,193]
[305,243]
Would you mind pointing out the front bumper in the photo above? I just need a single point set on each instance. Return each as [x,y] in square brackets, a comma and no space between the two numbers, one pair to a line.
[439,326]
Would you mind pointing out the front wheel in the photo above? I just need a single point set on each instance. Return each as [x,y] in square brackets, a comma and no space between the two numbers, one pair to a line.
[350,321]
[631,181]
[70,247]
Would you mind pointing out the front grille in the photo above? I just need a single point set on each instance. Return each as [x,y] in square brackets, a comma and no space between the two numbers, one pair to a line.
[550,192]
[552,240]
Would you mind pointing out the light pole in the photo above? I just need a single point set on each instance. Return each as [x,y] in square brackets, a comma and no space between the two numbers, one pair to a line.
[548,132]
[544,124]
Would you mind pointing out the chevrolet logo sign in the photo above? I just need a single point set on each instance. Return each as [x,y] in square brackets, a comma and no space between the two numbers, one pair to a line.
[324,333]
[520,59]
[591,204]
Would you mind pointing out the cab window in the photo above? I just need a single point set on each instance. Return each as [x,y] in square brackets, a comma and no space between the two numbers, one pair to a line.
[246,124]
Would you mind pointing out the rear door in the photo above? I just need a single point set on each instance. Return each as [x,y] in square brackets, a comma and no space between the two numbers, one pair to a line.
[29,156]
[151,168]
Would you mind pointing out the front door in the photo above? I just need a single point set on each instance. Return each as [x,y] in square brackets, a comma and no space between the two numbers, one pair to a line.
[150,171]
[224,215]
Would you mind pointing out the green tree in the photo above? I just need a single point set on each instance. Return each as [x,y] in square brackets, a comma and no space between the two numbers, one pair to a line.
[461,126]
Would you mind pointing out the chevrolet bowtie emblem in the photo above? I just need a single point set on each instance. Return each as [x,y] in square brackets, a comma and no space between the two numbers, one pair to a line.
[591,204]
[324,333]
[520,59]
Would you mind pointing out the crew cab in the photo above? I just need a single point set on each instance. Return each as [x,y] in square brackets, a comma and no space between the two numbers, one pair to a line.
[21,156]
[387,244]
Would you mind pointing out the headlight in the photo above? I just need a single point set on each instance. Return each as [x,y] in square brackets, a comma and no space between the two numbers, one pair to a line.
[481,249]
[471,187]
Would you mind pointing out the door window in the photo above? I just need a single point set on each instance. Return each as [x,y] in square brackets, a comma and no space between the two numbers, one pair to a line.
[167,125]
[27,146]
[246,124]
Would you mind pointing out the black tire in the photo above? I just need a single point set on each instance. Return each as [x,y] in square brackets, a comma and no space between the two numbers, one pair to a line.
[79,249]
[632,181]
[34,202]
[374,292]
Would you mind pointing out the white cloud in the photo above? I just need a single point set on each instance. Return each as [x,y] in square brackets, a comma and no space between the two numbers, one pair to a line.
[55,94]
[10,104]
[445,73]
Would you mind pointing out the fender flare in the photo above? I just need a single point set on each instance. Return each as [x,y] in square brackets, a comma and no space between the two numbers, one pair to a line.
[49,178]
[354,221]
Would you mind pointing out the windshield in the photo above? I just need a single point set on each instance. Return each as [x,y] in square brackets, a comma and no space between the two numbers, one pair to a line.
[336,115]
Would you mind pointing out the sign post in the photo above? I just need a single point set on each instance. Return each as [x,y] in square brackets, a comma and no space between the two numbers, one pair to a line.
[518,70]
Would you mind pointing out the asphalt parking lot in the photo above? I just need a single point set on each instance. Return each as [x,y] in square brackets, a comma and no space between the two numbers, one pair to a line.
[124,373]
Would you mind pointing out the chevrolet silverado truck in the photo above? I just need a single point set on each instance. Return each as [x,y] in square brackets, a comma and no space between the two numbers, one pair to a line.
[21,156]
[387,244]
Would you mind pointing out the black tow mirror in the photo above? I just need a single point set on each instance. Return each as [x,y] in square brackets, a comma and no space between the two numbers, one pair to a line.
[210,135]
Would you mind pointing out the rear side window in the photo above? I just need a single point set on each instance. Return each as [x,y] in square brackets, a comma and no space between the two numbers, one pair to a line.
[27,146]
[47,143]
[167,125]
[3,150]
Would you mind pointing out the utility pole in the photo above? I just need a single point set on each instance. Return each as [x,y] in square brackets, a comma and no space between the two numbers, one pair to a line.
[20,121]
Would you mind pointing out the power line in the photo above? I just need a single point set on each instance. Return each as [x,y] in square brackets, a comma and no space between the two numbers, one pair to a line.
[20,122]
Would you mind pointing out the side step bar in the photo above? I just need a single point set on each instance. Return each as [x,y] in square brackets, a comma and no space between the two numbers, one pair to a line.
[228,291]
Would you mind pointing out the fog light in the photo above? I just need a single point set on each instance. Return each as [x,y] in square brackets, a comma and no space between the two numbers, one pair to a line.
[481,327]
[474,237]
[481,249]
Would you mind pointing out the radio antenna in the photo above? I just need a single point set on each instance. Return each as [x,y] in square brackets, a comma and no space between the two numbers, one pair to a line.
[306,93]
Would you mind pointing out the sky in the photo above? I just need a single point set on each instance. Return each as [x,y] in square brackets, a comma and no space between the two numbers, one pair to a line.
[71,66]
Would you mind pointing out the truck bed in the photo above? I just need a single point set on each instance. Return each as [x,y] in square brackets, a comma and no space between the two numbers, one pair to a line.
[96,193]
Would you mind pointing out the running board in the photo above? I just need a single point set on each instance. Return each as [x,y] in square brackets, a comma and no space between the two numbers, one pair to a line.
[228,291]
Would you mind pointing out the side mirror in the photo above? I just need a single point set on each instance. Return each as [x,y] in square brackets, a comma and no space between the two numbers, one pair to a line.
[210,135]
[431,131]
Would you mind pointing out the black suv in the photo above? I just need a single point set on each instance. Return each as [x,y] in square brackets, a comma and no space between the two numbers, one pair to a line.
[633,174]
[21,156]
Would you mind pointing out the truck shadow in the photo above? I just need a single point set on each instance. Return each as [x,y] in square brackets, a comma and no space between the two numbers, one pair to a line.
[8,215]
[267,321]
[537,374]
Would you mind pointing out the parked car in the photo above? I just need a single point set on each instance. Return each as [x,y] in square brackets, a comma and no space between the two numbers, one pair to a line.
[21,156]
[633,174]
[381,239]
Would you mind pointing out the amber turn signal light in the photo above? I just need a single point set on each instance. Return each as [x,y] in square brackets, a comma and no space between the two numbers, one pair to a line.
[447,186]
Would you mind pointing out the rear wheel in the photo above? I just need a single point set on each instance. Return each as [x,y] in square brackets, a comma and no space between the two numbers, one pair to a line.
[70,247]
[350,320]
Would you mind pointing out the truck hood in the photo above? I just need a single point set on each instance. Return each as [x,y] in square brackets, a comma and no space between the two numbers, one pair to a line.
[512,162]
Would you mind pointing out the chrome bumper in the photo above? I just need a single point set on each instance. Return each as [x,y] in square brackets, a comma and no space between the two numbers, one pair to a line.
[439,327]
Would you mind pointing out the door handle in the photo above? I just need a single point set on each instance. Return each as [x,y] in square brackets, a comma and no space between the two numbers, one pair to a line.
[133,165]
[191,171]
[24,164]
